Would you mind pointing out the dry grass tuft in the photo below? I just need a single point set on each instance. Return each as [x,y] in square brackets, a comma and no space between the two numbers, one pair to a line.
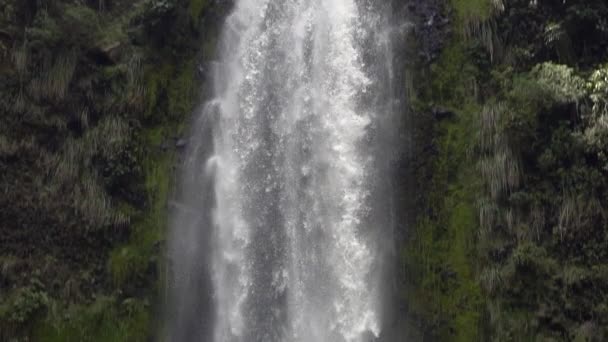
[490,279]
[487,210]
[537,219]
[136,89]
[94,204]
[478,23]
[73,171]
[498,165]
[19,58]
[53,81]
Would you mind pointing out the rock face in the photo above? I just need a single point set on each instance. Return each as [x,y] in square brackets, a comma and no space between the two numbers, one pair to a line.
[5,43]
[441,113]
[107,53]
[181,143]
[432,27]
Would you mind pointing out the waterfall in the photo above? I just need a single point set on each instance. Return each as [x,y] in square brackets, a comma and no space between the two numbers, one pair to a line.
[279,233]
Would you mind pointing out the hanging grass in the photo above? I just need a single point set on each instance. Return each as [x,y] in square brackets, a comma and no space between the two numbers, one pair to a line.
[490,279]
[19,58]
[487,210]
[136,88]
[53,81]
[476,22]
[501,173]
[74,171]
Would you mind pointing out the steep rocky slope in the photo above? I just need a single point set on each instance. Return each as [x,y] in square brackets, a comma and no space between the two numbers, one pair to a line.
[94,97]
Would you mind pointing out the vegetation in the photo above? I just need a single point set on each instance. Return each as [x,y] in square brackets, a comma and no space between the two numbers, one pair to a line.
[530,87]
[93,99]
[441,288]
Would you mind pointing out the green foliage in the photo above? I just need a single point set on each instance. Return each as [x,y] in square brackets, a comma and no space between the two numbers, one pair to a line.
[535,175]
[560,82]
[88,102]
[79,24]
[157,81]
[556,37]
[182,91]
[106,319]
[441,288]
[543,220]
[23,305]
[596,132]
[475,11]
[453,78]
[45,31]
[475,22]
[170,92]
[598,88]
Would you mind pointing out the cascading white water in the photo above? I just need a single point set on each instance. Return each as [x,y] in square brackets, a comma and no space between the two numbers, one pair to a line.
[292,239]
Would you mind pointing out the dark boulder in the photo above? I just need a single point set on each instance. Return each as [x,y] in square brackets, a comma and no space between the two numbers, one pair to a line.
[440,113]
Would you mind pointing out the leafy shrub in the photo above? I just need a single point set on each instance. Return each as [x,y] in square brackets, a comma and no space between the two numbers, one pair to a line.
[21,309]
[45,31]
[595,134]
[560,81]
[79,25]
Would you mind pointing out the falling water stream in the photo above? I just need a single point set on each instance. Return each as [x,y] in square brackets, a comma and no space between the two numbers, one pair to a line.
[280,230]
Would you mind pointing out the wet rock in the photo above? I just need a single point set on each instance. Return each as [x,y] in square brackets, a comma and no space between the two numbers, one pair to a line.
[441,113]
[448,274]
[432,27]
[201,71]
[137,35]
[107,53]
[181,143]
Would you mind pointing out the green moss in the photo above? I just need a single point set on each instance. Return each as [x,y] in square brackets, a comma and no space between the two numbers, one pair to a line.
[196,8]
[183,90]
[472,10]
[134,259]
[156,82]
[171,95]
[441,258]
[452,78]
[106,319]
[170,92]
